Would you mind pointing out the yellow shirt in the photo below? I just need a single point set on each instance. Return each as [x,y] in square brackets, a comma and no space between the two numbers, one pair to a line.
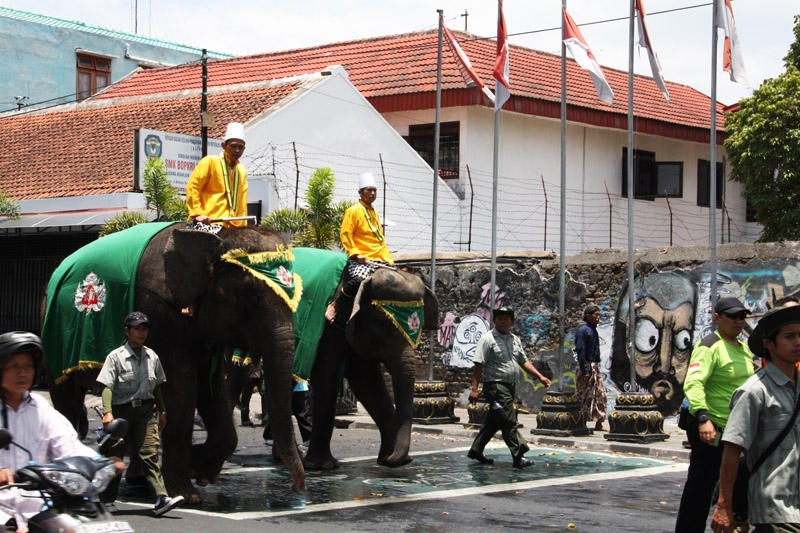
[362,234]
[206,193]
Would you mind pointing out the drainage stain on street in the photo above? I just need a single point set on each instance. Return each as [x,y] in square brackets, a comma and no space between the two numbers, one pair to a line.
[269,489]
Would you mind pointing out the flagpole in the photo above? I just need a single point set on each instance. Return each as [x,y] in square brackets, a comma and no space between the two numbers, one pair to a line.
[712,172]
[495,160]
[562,246]
[436,130]
[631,194]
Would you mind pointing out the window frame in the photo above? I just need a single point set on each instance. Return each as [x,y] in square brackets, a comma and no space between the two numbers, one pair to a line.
[420,138]
[648,174]
[96,67]
[704,182]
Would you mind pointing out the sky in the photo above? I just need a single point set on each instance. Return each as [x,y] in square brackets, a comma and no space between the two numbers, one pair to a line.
[681,37]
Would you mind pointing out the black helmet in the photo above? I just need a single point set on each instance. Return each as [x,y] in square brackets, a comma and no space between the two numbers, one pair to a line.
[19,342]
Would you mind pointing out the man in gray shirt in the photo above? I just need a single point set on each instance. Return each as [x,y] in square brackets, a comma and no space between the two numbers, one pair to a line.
[760,409]
[498,357]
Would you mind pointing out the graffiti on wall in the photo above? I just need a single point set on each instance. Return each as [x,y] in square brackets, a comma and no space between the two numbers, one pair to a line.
[672,312]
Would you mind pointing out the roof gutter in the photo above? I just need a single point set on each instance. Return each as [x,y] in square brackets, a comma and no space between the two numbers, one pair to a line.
[142,61]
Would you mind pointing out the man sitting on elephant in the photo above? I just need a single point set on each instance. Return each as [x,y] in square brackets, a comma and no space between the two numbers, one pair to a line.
[217,188]
[363,240]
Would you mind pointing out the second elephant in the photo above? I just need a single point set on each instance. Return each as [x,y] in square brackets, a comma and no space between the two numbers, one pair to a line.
[389,311]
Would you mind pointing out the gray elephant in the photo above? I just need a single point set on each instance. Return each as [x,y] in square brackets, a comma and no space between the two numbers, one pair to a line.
[229,280]
[383,327]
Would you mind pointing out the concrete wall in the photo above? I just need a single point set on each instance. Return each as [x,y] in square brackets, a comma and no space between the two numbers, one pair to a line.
[43,58]
[676,280]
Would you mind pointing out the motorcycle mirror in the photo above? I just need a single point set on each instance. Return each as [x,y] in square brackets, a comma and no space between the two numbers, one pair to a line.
[118,428]
[5,438]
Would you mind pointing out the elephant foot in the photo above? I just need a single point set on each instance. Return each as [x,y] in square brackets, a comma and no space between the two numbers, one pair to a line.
[205,467]
[394,462]
[187,490]
[320,463]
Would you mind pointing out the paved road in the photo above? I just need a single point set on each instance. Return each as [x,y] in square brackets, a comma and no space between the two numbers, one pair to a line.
[578,484]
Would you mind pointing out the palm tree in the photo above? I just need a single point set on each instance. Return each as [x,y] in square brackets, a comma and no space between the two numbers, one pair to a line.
[316,226]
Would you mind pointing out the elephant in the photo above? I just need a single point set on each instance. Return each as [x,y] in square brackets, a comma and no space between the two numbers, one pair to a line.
[370,337]
[232,307]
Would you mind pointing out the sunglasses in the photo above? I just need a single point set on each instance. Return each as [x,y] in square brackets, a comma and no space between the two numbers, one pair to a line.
[741,315]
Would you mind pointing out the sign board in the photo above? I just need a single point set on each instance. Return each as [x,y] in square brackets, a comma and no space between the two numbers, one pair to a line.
[180,154]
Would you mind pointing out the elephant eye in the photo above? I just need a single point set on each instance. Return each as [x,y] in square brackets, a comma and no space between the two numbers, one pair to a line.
[647,336]
[683,340]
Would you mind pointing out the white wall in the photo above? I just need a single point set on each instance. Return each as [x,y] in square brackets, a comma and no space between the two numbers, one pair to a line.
[332,125]
[530,149]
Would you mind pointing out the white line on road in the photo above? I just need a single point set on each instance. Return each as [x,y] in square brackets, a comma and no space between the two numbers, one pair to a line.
[454,493]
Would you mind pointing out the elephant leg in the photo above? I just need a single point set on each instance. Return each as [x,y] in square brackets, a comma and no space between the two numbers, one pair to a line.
[68,397]
[176,466]
[325,382]
[215,406]
[366,380]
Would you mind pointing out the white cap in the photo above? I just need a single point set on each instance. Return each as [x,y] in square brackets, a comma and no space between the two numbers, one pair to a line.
[366,180]
[235,131]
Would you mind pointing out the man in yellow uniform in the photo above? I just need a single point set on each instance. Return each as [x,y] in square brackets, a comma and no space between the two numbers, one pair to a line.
[217,188]
[362,238]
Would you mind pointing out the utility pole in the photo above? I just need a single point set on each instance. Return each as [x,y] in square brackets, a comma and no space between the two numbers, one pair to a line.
[465,14]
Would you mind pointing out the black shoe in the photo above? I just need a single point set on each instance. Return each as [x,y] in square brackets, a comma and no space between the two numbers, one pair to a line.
[482,459]
[522,462]
[165,504]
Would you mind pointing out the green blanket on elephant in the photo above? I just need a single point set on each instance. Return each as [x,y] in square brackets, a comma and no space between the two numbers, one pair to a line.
[88,297]
[320,271]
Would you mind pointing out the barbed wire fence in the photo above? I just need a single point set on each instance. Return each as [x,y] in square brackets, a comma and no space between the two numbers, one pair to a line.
[528,206]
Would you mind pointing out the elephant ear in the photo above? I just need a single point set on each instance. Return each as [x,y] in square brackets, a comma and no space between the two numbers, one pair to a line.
[363,298]
[189,258]
[431,321]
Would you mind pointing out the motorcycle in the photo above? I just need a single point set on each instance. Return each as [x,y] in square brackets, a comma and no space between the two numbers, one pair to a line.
[70,489]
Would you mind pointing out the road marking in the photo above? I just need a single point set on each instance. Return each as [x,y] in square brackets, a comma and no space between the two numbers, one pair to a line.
[645,466]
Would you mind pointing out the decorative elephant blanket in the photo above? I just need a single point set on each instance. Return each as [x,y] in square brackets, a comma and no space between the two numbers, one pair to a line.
[320,271]
[88,297]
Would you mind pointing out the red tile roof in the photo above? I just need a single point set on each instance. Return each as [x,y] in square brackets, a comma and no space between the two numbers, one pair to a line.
[398,73]
[86,148]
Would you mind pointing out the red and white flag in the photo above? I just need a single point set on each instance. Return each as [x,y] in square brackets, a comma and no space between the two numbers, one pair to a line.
[465,62]
[644,41]
[576,44]
[501,65]
[732,60]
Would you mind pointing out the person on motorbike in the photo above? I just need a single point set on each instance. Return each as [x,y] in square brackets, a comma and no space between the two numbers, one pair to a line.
[35,425]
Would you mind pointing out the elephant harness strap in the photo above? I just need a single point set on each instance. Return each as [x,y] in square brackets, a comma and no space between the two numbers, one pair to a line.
[274,269]
[406,316]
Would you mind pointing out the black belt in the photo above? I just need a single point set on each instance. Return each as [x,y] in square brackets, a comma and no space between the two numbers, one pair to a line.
[136,403]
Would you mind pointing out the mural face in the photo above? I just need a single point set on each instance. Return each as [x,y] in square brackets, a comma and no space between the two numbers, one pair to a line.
[664,322]
[662,346]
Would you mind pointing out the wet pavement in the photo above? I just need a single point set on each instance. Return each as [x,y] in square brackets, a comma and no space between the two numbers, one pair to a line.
[569,475]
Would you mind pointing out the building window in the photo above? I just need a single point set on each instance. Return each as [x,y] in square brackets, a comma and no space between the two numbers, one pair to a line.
[750,212]
[704,183]
[420,137]
[94,73]
[651,178]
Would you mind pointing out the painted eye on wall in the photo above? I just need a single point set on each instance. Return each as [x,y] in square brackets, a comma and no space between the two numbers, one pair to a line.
[683,340]
[647,336]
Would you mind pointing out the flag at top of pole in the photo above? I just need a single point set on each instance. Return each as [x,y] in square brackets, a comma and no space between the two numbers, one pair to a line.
[644,41]
[465,62]
[501,65]
[576,44]
[732,59]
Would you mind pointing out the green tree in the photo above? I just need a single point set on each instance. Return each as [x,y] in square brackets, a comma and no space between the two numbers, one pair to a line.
[316,226]
[8,206]
[763,144]
[160,194]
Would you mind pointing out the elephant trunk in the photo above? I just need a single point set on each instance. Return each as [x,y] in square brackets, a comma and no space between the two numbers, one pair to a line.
[403,385]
